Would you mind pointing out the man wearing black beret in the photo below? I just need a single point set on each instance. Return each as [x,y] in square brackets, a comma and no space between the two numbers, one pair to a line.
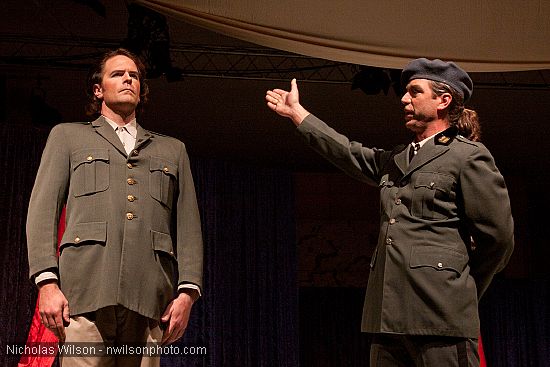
[446,225]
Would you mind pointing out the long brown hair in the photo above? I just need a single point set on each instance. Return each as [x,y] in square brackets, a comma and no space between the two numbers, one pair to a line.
[95,76]
[465,120]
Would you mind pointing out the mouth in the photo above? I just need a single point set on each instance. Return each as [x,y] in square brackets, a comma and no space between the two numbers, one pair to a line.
[128,90]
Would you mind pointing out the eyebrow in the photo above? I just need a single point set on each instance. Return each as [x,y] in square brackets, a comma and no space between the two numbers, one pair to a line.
[415,87]
[136,72]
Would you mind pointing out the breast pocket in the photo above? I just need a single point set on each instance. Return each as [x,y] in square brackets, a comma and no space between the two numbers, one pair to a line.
[433,196]
[163,180]
[90,171]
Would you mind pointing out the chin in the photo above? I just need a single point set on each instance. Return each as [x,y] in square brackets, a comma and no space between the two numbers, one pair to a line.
[412,125]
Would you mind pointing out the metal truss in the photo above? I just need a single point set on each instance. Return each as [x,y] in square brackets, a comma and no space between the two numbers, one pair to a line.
[215,61]
[259,63]
[188,59]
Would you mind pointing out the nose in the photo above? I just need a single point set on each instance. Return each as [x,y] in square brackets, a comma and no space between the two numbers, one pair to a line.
[127,78]
[406,99]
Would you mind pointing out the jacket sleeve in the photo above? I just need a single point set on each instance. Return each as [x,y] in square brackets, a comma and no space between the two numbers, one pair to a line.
[351,157]
[488,212]
[47,199]
[189,235]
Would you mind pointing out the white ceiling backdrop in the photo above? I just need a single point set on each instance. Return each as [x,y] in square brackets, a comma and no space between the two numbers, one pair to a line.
[480,35]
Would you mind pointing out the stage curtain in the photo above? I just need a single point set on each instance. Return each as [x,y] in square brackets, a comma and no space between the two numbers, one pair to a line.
[248,315]
[502,35]
[20,152]
[515,323]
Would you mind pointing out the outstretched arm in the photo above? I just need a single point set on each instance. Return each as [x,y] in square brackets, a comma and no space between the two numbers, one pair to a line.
[287,104]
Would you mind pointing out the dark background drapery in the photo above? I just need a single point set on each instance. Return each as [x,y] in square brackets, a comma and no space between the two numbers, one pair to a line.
[20,151]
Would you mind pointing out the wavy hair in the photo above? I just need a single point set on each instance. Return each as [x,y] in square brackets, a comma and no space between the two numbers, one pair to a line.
[95,76]
[465,120]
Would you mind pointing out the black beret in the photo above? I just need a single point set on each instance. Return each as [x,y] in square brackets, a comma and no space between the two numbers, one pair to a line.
[439,71]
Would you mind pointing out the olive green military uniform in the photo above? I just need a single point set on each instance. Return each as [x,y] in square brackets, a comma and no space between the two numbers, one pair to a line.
[132,221]
[425,276]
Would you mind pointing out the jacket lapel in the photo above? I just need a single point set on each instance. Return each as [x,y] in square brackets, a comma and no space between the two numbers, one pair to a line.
[400,160]
[103,128]
[427,153]
[142,137]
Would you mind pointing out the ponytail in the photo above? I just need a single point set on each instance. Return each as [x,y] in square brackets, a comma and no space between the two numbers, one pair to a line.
[468,125]
[465,120]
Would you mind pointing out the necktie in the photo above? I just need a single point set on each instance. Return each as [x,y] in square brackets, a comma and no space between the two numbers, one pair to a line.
[413,150]
[126,139]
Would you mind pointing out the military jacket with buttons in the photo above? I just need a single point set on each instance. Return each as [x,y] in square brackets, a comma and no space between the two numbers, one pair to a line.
[445,229]
[132,222]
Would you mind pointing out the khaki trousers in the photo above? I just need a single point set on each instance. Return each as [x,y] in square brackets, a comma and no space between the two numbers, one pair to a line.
[131,336]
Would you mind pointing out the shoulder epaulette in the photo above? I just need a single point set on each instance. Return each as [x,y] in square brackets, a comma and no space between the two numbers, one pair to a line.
[446,137]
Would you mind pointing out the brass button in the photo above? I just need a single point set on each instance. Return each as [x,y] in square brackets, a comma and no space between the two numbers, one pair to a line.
[397,201]
[90,158]
[439,265]
[432,184]
[77,240]
[389,241]
[392,221]
[131,198]
[129,165]
[129,216]
[165,169]
[135,152]
[131,181]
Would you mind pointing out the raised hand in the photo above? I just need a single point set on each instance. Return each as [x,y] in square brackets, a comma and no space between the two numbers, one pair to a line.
[286,103]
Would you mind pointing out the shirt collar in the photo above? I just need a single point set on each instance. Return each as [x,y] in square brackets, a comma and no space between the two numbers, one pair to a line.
[131,127]
[422,142]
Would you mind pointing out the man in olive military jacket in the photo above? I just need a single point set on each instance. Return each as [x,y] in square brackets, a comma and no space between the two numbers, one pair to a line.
[132,239]
[446,226]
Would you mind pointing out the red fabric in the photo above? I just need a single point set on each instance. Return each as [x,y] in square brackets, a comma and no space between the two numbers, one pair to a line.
[38,333]
[482,362]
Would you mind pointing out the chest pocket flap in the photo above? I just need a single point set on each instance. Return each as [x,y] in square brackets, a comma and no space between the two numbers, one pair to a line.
[433,196]
[85,234]
[163,179]
[435,181]
[90,171]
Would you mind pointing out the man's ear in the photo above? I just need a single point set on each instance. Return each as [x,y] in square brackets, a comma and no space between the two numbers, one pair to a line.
[98,91]
[446,100]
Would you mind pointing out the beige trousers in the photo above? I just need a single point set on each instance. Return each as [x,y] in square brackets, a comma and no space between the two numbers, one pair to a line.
[111,337]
